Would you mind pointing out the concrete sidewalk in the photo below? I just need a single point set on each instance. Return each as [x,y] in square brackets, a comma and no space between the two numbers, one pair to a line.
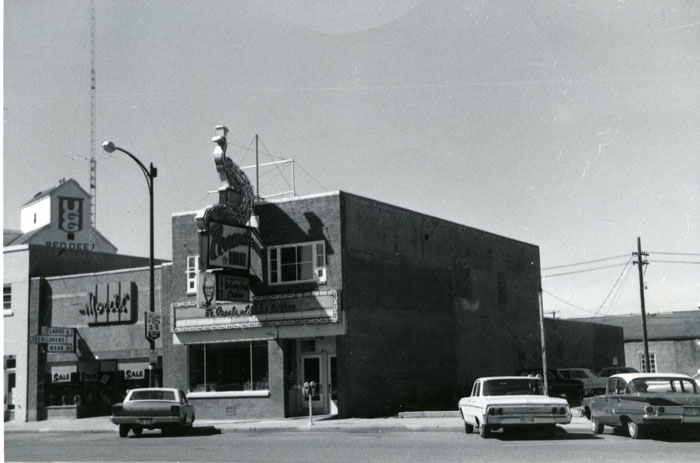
[414,421]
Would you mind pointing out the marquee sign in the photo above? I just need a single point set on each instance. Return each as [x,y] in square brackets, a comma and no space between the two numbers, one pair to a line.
[110,303]
[225,247]
[285,309]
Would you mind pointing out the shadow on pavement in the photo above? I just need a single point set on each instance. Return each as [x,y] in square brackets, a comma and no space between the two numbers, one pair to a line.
[559,434]
[194,432]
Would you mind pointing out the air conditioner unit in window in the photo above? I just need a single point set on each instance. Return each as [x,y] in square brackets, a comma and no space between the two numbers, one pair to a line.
[321,275]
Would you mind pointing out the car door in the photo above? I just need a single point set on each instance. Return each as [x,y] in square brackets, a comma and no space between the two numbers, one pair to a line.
[611,401]
[469,410]
[186,407]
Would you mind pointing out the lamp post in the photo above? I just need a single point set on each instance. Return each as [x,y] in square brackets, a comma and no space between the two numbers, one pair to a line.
[150,174]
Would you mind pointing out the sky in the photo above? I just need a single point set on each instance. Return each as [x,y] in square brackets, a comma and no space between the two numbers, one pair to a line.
[573,126]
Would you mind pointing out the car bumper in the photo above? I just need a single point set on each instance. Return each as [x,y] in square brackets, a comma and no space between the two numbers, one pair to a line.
[524,420]
[147,421]
[670,419]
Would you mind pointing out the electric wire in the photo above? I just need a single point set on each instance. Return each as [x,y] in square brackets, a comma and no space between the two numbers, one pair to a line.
[674,262]
[580,271]
[674,253]
[586,262]
[624,270]
[567,302]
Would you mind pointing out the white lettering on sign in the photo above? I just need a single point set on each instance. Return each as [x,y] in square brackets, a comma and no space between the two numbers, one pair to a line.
[228,247]
[70,245]
[70,214]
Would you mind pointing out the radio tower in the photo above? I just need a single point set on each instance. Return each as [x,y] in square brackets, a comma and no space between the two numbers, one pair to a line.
[93,161]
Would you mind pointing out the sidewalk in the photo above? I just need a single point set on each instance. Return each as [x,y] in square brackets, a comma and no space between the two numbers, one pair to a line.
[414,421]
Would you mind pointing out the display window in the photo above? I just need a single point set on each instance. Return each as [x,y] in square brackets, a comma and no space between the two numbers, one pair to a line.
[240,366]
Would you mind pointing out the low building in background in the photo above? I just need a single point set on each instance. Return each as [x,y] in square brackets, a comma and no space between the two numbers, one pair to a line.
[583,344]
[673,338]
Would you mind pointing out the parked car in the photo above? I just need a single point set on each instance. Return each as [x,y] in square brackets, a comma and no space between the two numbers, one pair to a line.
[511,402]
[609,371]
[592,383]
[153,408]
[639,401]
[557,385]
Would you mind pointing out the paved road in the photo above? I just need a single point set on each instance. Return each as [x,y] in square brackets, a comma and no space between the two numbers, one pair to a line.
[209,445]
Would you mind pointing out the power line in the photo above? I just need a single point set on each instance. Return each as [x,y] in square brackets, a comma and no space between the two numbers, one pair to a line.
[580,271]
[674,253]
[624,270]
[675,261]
[567,303]
[587,262]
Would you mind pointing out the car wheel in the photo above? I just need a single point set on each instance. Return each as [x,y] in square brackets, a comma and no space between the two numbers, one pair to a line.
[123,430]
[484,431]
[137,430]
[596,426]
[634,429]
[468,428]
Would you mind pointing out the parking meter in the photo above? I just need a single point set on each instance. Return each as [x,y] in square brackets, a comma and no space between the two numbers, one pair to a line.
[307,389]
[313,388]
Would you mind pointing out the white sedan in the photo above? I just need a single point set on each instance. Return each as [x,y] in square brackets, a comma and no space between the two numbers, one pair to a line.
[511,402]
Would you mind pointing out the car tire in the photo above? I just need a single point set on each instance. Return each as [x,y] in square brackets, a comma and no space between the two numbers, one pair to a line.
[137,430]
[485,431]
[123,430]
[468,428]
[596,426]
[635,430]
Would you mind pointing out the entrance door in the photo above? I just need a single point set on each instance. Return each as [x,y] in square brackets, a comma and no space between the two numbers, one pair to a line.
[311,370]
[333,384]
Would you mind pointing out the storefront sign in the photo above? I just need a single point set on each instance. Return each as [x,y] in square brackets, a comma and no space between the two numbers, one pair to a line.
[63,341]
[60,348]
[287,309]
[111,303]
[87,371]
[217,288]
[230,288]
[62,373]
[152,325]
[225,246]
[134,371]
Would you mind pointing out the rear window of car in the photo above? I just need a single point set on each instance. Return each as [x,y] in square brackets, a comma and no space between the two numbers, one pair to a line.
[513,387]
[663,386]
[152,395]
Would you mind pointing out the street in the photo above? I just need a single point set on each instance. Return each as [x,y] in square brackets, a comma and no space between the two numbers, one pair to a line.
[207,444]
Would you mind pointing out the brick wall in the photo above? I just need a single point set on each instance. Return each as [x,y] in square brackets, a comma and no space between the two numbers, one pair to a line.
[672,356]
[431,305]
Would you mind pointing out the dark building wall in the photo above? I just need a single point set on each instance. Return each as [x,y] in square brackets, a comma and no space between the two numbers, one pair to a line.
[431,305]
[577,344]
[47,262]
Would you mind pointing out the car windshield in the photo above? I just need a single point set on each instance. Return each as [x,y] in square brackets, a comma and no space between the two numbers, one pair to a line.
[664,385]
[526,386]
[152,395]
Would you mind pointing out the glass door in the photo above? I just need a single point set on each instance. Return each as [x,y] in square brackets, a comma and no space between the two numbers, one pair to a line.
[333,384]
[311,371]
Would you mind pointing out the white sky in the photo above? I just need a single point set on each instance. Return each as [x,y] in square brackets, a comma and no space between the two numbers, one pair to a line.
[569,125]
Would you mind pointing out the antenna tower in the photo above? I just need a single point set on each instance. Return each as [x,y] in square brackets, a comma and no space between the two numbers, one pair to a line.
[93,161]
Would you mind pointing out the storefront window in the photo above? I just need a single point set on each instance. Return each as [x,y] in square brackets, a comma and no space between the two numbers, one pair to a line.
[228,367]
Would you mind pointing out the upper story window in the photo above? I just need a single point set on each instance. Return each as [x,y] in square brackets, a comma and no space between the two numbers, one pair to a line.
[192,270]
[297,263]
[7,299]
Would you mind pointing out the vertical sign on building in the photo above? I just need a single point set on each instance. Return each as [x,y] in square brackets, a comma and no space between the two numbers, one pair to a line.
[70,214]
[152,326]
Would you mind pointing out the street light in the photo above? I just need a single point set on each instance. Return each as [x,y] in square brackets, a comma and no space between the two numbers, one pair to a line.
[150,174]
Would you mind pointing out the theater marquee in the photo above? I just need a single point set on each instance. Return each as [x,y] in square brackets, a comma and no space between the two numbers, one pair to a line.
[225,247]
[287,309]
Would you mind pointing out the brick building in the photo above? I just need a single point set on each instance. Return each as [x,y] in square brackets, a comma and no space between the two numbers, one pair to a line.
[385,308]
[673,338]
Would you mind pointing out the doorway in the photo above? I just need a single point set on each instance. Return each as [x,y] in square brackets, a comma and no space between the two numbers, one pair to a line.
[320,368]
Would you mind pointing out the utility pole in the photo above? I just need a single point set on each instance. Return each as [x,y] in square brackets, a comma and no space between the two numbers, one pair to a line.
[544,348]
[257,168]
[640,263]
